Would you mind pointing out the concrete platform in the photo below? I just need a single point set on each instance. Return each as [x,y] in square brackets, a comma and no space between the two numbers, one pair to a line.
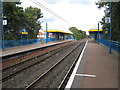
[97,69]
[14,50]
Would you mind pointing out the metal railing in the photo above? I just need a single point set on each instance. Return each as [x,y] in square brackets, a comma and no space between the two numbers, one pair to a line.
[115,45]
[14,43]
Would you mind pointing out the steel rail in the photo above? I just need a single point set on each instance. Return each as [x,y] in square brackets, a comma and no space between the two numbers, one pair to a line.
[40,77]
[15,73]
[65,79]
[31,57]
[28,59]
[20,54]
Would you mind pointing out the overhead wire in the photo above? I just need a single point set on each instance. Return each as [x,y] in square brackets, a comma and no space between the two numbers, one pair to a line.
[50,11]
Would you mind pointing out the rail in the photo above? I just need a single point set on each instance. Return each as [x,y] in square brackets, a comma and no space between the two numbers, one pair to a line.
[19,67]
[32,85]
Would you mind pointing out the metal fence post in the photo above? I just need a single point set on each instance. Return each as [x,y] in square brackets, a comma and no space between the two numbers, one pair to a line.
[110,27]
[3,44]
[27,39]
[98,33]
[21,38]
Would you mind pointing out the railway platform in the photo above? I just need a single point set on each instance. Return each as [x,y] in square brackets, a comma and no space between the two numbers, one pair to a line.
[96,68]
[15,50]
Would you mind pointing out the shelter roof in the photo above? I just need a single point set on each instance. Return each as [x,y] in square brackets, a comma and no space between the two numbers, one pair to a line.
[95,30]
[58,31]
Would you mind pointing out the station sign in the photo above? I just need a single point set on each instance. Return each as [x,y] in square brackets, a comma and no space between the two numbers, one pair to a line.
[107,20]
[4,22]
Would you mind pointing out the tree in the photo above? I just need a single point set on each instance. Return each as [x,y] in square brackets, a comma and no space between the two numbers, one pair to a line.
[12,14]
[78,34]
[75,32]
[19,19]
[32,24]
[115,18]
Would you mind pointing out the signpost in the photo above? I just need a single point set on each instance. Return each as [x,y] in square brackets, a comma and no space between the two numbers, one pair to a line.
[3,43]
[109,20]
[110,26]
[46,32]
[24,32]
[98,33]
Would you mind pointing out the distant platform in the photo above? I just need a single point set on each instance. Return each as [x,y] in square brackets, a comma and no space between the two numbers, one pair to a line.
[20,49]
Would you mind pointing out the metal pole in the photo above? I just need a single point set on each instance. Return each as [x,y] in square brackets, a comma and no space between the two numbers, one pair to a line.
[110,27]
[21,38]
[27,39]
[98,33]
[3,44]
[46,32]
[107,36]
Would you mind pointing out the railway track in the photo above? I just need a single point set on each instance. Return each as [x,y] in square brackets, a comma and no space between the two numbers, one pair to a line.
[15,69]
[22,54]
[64,81]
[18,57]
[17,80]
[55,71]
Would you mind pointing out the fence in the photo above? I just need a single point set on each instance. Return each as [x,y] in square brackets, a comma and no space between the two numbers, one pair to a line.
[14,43]
[114,44]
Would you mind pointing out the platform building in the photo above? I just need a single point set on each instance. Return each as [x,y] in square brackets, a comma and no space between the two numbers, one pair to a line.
[94,33]
[60,35]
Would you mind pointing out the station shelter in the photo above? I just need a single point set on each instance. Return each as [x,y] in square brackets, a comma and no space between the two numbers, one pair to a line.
[94,33]
[59,35]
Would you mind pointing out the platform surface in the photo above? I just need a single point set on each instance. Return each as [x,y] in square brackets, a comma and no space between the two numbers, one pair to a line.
[97,68]
[13,50]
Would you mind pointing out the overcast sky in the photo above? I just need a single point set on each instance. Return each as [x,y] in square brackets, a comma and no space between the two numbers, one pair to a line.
[82,14]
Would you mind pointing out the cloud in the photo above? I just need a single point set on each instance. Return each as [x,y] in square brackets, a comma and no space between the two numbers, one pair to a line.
[70,1]
[52,1]
[83,14]
[47,19]
[80,1]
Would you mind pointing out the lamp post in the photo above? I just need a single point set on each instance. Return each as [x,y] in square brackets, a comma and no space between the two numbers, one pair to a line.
[110,27]
[46,32]
[98,33]
[3,45]
[109,20]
